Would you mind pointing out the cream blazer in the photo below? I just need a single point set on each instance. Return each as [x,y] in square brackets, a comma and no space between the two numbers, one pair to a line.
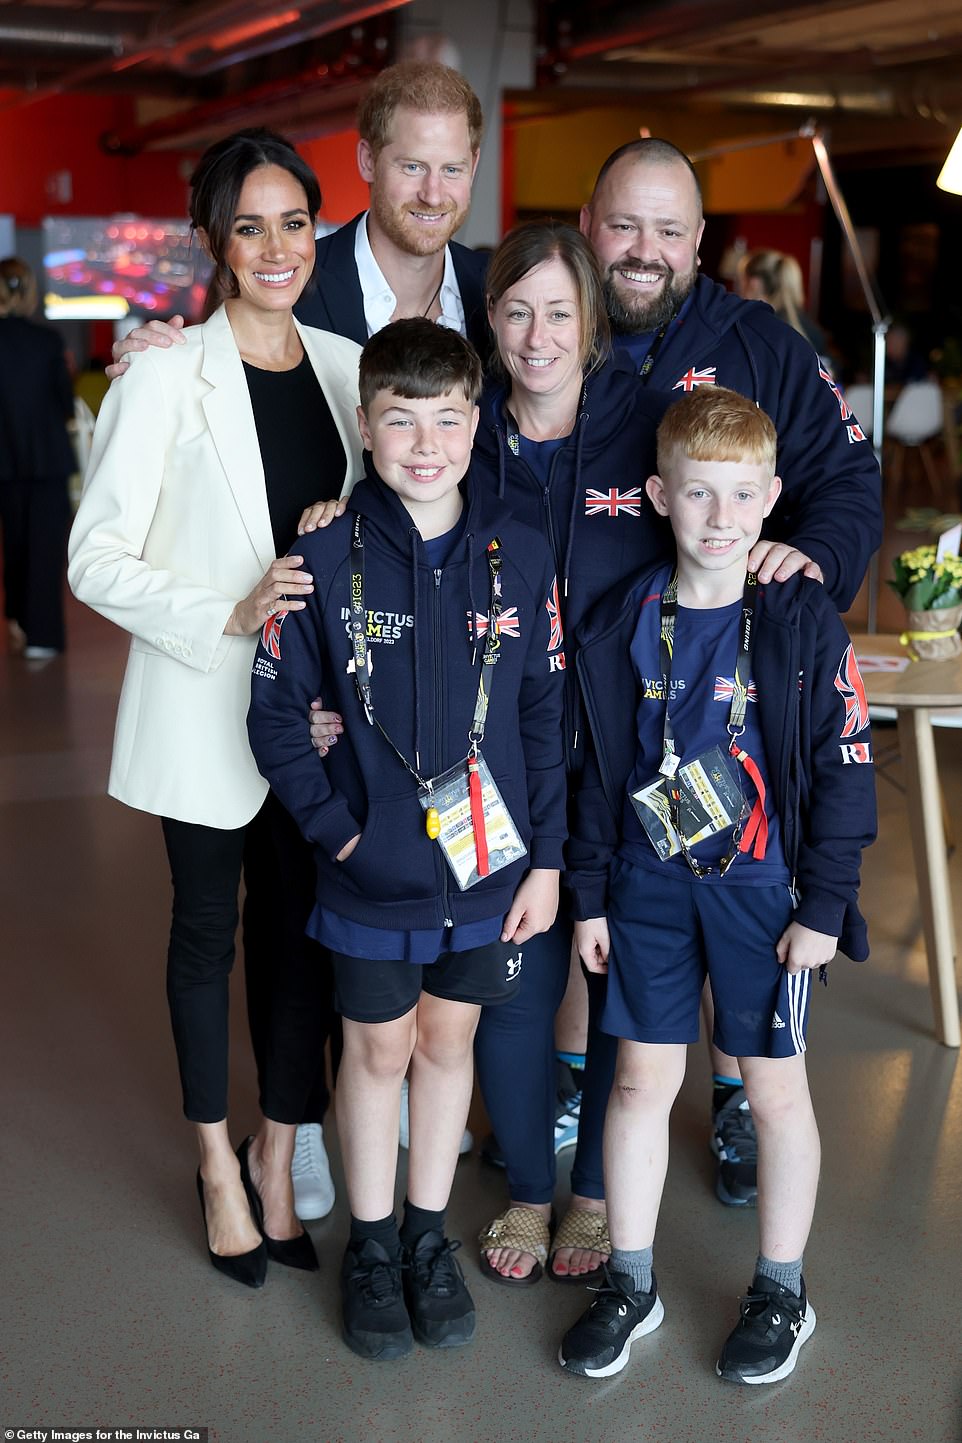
[172,530]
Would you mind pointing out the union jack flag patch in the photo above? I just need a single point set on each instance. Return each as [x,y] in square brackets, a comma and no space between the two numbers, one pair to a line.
[845,410]
[725,689]
[613,501]
[693,378]
[553,608]
[271,635]
[508,623]
[851,688]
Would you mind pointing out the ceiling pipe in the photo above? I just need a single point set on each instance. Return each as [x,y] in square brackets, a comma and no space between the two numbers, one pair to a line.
[199,23]
[296,34]
[328,94]
[59,35]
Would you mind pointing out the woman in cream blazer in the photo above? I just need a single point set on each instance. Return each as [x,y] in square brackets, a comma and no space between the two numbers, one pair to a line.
[173,541]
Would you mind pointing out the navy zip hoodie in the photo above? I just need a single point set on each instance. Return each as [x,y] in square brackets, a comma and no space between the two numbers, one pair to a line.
[830,506]
[425,638]
[594,512]
[814,721]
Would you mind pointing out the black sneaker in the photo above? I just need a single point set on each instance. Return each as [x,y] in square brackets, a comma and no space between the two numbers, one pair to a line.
[599,1343]
[735,1145]
[440,1307]
[566,1119]
[491,1152]
[765,1344]
[375,1320]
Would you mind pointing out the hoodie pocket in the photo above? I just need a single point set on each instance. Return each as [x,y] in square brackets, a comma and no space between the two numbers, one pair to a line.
[395,860]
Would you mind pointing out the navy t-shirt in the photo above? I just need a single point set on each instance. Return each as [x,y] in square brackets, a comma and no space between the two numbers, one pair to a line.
[700,691]
[639,344]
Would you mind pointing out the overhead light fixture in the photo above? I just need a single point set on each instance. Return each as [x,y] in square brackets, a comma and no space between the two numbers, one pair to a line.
[950,176]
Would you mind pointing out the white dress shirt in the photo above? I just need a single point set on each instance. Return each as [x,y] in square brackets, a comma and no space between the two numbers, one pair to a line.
[380,302]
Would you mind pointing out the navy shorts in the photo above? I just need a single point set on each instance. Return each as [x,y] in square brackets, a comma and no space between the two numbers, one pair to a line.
[668,930]
[373,991]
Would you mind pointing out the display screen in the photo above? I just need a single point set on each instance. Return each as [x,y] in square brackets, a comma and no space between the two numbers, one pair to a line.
[102,269]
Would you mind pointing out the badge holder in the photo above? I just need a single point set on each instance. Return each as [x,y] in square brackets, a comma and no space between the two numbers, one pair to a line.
[460,826]
[699,799]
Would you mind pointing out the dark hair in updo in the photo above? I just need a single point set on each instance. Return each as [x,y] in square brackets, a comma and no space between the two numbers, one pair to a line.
[216,184]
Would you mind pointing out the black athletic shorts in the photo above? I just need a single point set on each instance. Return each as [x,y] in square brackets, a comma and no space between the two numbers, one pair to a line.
[371,991]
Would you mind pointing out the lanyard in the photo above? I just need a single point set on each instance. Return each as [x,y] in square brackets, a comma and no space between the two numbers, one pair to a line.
[362,660]
[755,833]
[653,349]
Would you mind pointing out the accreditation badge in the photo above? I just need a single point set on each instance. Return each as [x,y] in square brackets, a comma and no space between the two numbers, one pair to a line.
[705,798]
[459,820]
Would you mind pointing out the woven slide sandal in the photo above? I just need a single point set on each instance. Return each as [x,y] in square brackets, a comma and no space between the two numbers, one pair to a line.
[523,1230]
[580,1229]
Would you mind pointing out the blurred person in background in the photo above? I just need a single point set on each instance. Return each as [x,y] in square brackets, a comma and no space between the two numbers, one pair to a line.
[765,275]
[36,460]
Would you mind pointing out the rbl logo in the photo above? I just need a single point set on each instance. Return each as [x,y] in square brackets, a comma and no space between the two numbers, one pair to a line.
[851,688]
[271,635]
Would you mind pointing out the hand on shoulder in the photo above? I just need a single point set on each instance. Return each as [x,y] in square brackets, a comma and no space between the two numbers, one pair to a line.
[162,334]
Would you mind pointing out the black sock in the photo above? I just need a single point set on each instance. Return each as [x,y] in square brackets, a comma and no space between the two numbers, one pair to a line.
[383,1231]
[418,1221]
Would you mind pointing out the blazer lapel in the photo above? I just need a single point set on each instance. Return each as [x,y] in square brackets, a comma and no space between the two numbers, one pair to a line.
[230,418]
[337,288]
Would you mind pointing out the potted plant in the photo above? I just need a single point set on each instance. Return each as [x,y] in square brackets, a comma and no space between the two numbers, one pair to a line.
[931,592]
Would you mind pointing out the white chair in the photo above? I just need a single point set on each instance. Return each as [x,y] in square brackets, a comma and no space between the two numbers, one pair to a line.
[917,417]
[862,401]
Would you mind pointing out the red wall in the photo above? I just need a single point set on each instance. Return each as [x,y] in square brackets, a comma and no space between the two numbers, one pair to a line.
[62,133]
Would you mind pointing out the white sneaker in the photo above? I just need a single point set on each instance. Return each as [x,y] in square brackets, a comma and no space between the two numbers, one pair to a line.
[311,1174]
[404,1132]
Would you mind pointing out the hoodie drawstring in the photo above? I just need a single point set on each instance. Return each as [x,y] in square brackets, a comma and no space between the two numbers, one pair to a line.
[473,638]
[414,536]
[575,493]
[756,388]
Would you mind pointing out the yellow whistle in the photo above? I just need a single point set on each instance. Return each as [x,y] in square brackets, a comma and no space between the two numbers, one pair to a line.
[432,823]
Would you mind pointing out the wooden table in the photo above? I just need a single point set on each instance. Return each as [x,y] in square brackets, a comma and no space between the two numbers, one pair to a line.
[914,693]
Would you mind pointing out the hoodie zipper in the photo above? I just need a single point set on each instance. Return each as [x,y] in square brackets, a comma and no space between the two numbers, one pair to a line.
[439,732]
[571,732]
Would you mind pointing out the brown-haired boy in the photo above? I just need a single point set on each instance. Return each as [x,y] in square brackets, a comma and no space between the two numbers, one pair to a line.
[429,627]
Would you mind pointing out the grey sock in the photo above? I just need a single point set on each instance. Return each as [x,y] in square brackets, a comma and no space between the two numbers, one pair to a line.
[789,1275]
[636,1264]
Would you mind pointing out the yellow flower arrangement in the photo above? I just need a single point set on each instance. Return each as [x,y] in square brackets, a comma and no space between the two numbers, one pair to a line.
[925,584]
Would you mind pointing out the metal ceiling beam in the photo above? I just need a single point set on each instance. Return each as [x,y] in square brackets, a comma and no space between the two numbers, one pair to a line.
[665,18]
[177,28]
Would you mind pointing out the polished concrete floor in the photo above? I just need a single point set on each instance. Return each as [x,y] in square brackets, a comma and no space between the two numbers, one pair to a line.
[111,1316]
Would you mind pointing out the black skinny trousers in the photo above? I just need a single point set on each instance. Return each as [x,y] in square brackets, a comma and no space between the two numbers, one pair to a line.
[288,976]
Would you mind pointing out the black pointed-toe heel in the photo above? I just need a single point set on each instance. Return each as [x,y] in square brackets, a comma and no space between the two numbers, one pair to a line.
[292,1252]
[247,1268]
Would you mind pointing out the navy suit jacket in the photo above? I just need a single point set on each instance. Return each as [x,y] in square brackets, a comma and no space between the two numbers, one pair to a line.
[333,300]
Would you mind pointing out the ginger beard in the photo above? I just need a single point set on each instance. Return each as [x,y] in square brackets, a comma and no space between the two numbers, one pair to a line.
[415,237]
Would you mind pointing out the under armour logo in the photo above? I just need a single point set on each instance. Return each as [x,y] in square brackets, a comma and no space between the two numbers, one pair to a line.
[623,1310]
[776,1319]
[513,967]
[796,1328]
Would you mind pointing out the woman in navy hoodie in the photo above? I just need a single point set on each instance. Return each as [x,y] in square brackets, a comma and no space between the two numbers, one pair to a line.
[565,440]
